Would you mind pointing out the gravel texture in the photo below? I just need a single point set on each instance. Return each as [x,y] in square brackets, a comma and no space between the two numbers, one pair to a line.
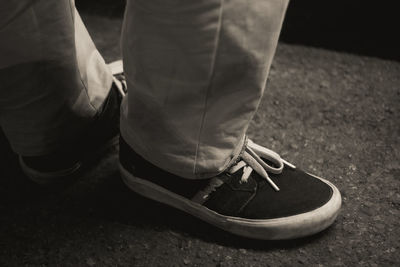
[331,113]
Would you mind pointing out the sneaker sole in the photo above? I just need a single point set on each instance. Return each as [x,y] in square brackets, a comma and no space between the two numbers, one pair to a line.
[46,178]
[296,226]
[65,175]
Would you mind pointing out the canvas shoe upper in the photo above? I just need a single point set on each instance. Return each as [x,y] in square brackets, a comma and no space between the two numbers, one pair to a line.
[261,196]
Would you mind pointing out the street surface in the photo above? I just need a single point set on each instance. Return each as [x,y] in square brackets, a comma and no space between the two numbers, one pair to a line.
[334,114]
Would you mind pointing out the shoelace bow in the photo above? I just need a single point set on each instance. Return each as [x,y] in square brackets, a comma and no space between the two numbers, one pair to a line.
[251,161]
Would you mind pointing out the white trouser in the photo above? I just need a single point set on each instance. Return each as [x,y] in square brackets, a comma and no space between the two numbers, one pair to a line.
[52,79]
[196,71]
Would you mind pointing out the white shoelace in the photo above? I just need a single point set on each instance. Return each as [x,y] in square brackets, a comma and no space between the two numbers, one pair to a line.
[251,161]
[117,68]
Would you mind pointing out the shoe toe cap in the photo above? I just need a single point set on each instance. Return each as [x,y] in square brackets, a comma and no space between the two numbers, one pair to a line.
[299,193]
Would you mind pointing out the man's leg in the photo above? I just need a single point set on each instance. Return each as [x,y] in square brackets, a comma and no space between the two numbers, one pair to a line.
[53,81]
[196,71]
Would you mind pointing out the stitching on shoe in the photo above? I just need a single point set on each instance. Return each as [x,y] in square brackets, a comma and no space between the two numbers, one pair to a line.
[249,200]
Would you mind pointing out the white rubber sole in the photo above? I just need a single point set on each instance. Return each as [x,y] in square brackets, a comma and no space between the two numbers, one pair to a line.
[60,176]
[45,178]
[271,229]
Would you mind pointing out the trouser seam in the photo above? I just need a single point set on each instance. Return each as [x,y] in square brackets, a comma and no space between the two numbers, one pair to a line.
[212,72]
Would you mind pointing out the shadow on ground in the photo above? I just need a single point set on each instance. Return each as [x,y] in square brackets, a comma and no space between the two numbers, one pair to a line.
[101,196]
[97,215]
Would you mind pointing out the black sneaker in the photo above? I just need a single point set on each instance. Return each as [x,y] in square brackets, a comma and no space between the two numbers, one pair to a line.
[63,165]
[261,196]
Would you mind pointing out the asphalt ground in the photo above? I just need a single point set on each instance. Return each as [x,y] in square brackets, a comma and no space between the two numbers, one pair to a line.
[334,114]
